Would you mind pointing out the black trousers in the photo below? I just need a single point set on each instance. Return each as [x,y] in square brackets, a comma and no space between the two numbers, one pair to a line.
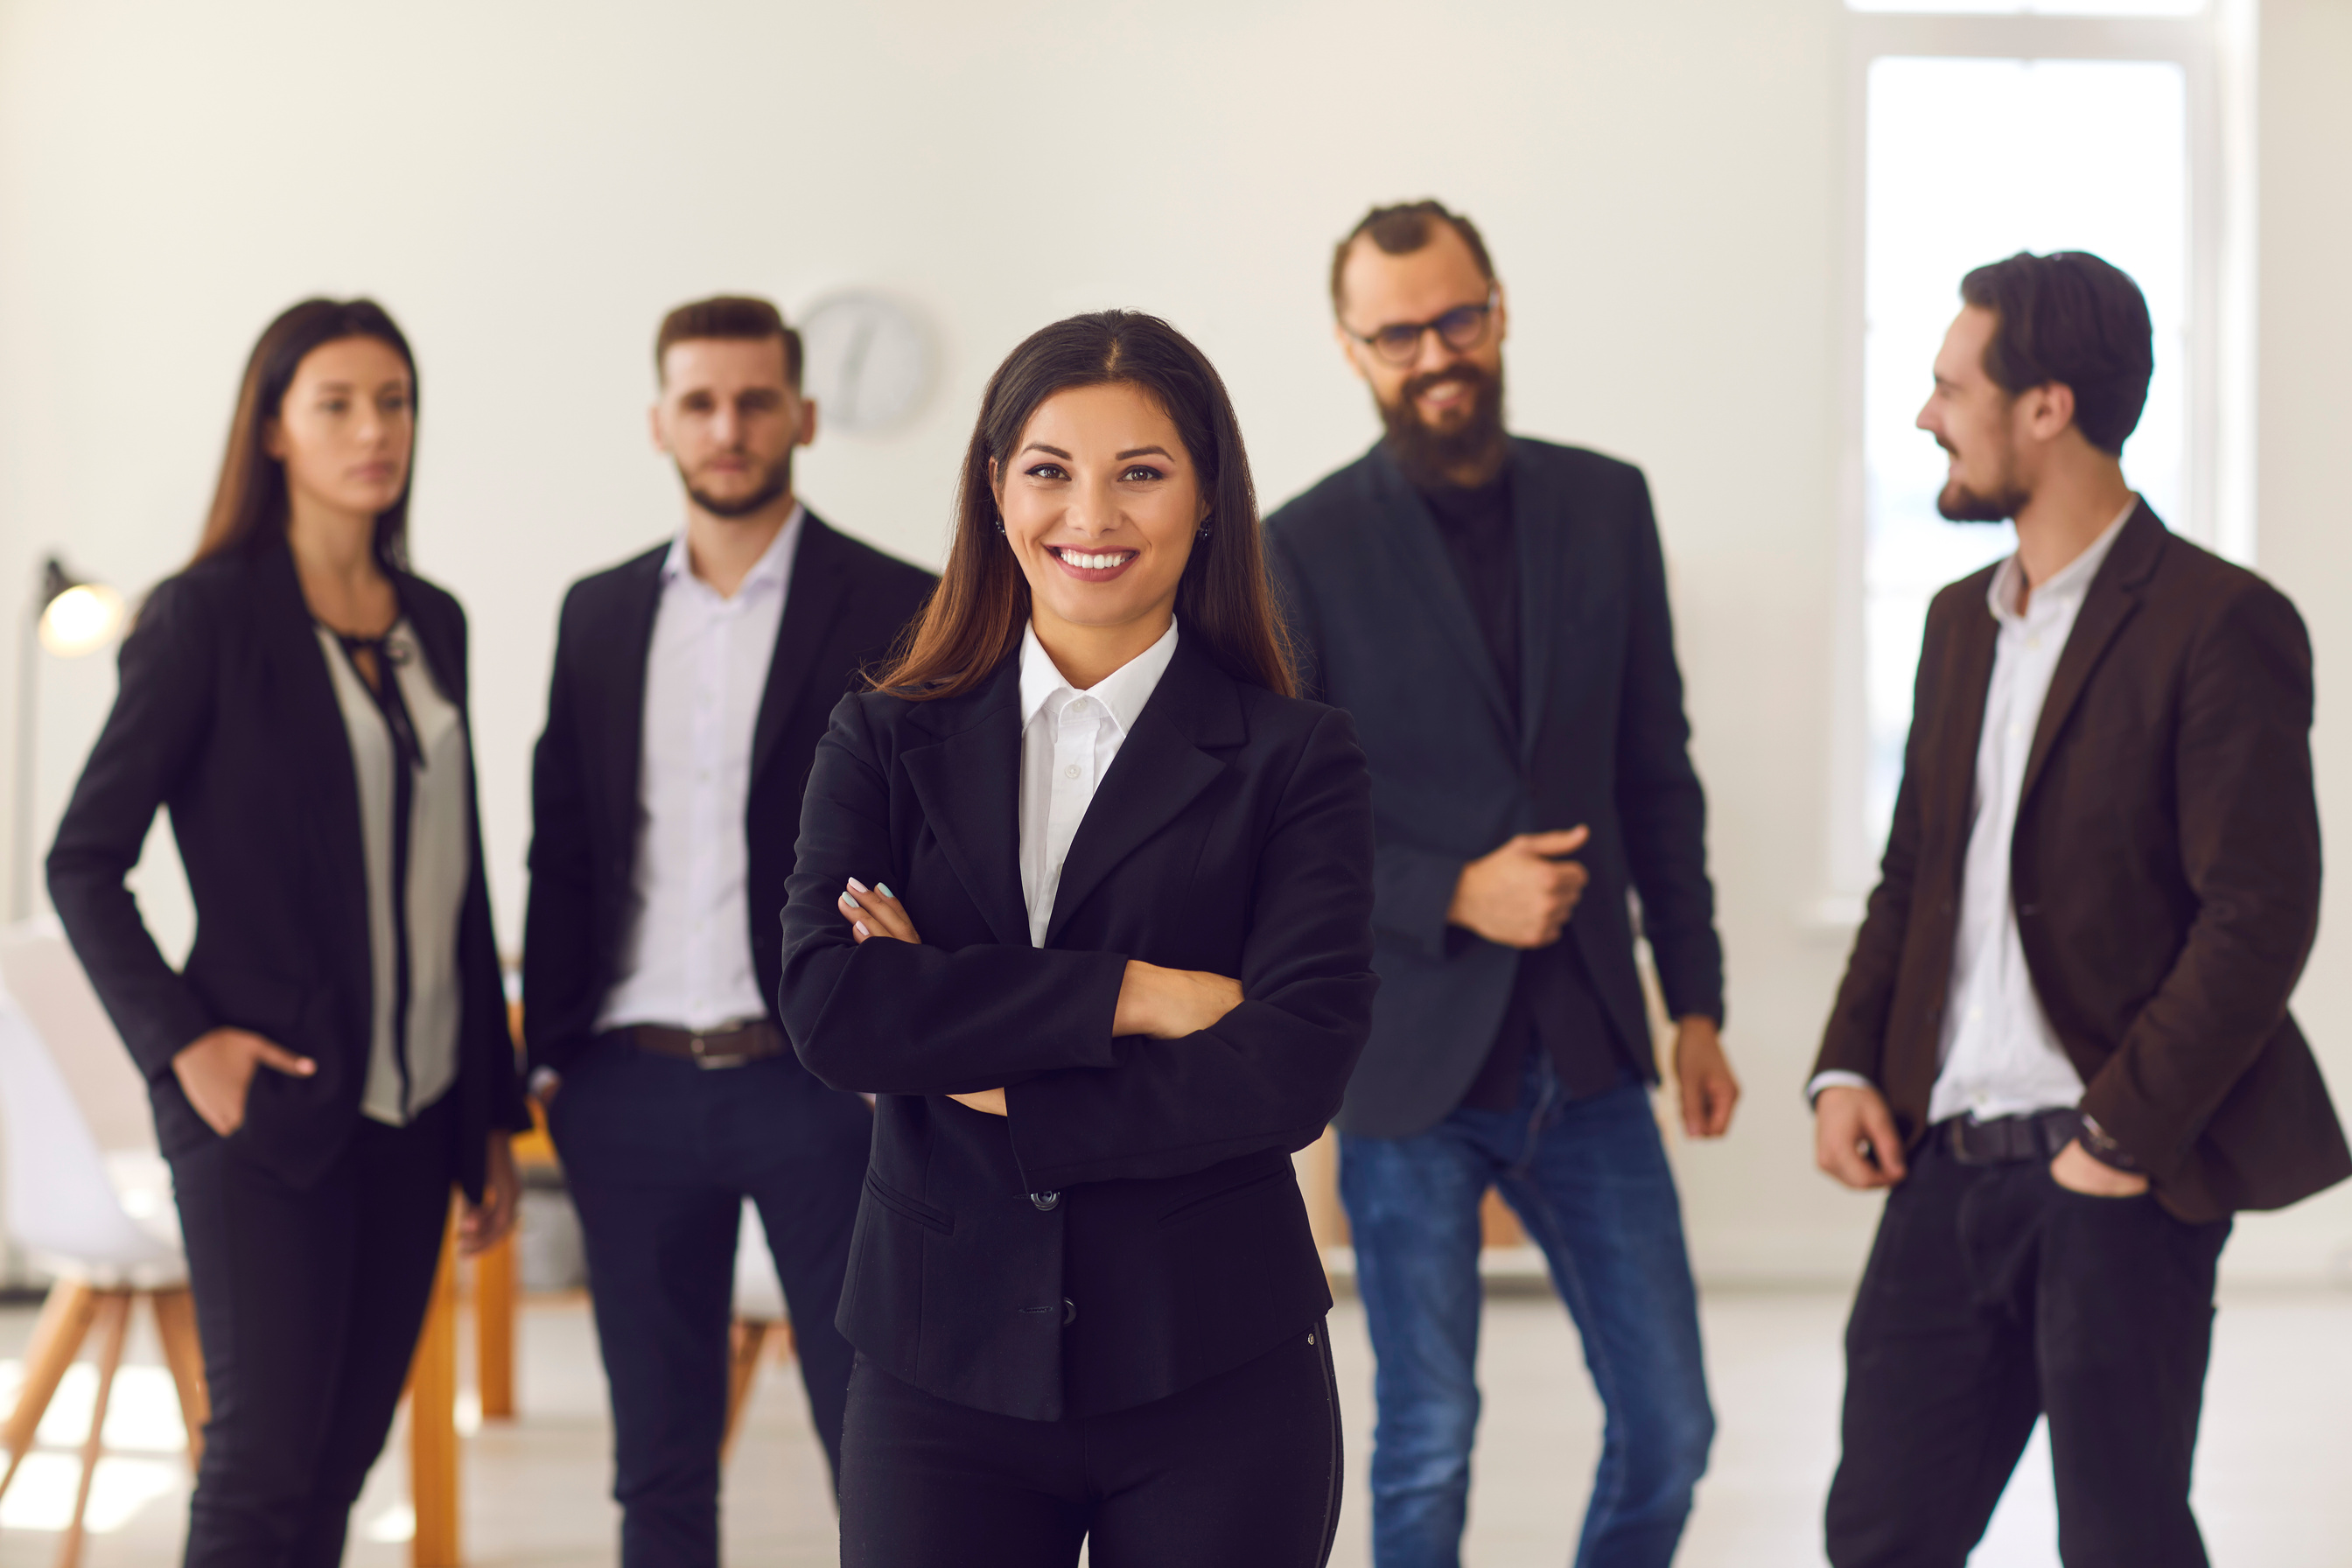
[1241,1471]
[1995,1296]
[308,1301]
[659,1154]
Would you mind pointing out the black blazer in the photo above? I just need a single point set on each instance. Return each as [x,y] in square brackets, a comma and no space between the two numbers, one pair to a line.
[1385,631]
[2165,869]
[846,606]
[1133,1227]
[226,714]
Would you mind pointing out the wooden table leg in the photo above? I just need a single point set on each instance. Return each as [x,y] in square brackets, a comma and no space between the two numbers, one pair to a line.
[57,1339]
[176,1325]
[494,1328]
[433,1421]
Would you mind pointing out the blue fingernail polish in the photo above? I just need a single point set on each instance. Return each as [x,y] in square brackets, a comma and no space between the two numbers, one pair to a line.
[884,889]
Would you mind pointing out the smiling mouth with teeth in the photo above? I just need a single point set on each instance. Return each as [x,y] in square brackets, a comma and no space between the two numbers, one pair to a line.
[1086,562]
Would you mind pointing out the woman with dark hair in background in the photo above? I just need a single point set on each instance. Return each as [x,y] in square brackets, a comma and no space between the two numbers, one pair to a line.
[1082,1288]
[334,1055]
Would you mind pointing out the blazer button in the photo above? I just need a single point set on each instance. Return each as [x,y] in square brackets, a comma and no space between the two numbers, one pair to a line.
[1045,1201]
[1069,1312]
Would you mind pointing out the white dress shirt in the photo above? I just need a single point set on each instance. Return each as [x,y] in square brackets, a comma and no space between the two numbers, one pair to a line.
[439,862]
[1068,740]
[2000,1055]
[688,960]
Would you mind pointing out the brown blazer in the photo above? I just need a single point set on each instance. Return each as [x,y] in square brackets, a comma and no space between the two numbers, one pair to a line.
[2165,869]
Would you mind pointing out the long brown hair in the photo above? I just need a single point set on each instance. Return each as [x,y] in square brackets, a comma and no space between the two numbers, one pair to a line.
[249,507]
[974,619]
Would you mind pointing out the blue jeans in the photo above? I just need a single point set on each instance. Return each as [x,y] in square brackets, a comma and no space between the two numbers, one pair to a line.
[1589,1179]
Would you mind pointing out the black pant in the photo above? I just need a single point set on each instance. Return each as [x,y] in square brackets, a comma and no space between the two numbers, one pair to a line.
[659,1154]
[308,1301]
[1995,1296]
[1241,1471]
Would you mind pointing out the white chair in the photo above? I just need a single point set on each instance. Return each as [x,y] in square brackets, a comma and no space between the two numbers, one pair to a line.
[760,1314]
[91,1207]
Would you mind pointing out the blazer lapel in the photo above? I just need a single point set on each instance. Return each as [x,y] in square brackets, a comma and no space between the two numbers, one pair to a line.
[1159,771]
[968,782]
[1403,517]
[1551,600]
[812,601]
[2112,597]
[618,660]
[1967,676]
[319,750]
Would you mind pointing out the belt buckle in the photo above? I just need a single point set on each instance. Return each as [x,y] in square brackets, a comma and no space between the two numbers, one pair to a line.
[697,1040]
[1961,1151]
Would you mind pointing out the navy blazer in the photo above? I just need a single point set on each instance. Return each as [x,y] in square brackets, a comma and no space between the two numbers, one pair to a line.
[1386,632]
[1134,1225]
[846,606]
[228,716]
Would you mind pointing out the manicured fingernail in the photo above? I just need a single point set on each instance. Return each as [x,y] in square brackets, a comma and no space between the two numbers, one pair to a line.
[884,889]
[859,886]
[853,903]
[860,929]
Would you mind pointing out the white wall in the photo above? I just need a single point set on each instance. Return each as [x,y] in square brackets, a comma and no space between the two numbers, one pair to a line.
[2305,545]
[528,187]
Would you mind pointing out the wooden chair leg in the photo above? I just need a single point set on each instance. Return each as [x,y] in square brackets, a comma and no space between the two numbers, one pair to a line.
[494,1328]
[744,1339]
[113,1318]
[57,1339]
[433,1421]
[176,1325]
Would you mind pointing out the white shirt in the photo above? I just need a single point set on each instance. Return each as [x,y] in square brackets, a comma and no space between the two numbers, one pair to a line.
[1068,741]
[2000,1055]
[439,862]
[688,960]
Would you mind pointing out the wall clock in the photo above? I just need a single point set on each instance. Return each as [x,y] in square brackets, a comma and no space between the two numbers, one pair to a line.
[869,361]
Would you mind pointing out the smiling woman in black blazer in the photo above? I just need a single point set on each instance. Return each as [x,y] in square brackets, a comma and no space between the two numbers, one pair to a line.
[1082,1288]
[333,1056]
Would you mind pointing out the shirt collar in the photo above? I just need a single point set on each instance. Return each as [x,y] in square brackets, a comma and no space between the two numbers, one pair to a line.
[2070,582]
[770,571]
[1123,692]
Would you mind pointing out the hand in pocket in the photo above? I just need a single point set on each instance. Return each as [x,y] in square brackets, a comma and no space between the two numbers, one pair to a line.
[217,1071]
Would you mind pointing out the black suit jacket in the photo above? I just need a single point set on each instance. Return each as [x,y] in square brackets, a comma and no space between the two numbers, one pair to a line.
[1386,632]
[2165,868]
[226,715]
[1232,834]
[846,606]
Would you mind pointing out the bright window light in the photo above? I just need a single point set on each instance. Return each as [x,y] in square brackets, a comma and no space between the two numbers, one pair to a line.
[1970,159]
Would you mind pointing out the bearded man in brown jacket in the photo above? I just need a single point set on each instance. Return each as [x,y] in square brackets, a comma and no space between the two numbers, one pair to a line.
[2063,1039]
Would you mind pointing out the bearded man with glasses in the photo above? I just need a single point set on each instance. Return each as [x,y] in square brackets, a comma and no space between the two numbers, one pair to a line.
[1492,611]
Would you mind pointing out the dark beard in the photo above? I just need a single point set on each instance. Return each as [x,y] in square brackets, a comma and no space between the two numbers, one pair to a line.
[778,481]
[1956,503]
[1431,459]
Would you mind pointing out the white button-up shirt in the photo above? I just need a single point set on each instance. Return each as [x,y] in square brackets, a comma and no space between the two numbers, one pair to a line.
[688,960]
[2000,1055]
[1068,741]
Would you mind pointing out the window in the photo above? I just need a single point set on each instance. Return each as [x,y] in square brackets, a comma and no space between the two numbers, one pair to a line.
[1984,128]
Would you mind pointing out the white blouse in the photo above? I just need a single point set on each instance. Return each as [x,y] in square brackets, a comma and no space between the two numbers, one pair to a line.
[1068,741]
[405,1076]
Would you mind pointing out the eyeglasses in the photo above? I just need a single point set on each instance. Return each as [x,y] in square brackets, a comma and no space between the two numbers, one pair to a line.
[1462,329]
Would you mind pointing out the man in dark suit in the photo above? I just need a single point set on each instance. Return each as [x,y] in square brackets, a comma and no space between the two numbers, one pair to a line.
[1493,612]
[691,686]
[2063,1039]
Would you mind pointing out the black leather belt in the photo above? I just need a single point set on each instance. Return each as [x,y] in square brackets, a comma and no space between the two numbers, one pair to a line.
[2006,1139]
[727,1045]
